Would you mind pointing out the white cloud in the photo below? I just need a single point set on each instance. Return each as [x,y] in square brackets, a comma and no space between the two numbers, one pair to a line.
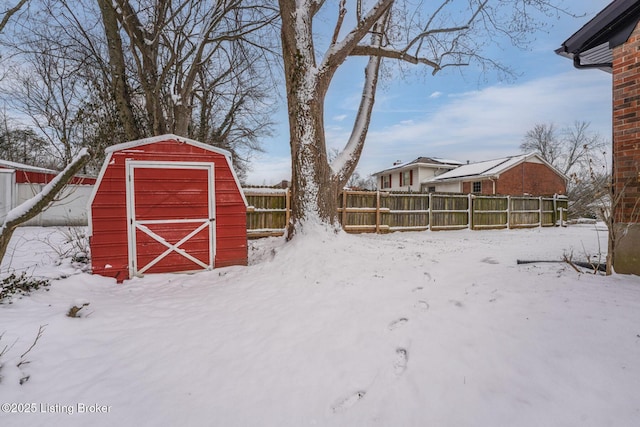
[435,95]
[491,122]
[269,170]
[471,125]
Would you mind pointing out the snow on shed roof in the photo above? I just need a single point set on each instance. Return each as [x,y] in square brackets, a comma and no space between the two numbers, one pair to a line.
[169,136]
[488,168]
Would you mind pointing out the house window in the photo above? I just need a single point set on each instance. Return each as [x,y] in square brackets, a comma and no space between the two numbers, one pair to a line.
[432,189]
[406,178]
[386,181]
[477,187]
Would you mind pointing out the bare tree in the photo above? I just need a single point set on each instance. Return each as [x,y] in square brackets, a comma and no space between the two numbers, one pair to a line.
[358,182]
[574,151]
[97,73]
[449,34]
[543,139]
[48,91]
[171,43]
[568,150]
[22,145]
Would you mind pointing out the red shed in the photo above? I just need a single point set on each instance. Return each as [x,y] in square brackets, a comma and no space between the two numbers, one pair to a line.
[166,204]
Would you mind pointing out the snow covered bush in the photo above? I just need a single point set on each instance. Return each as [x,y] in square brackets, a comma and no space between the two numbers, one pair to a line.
[75,247]
[20,285]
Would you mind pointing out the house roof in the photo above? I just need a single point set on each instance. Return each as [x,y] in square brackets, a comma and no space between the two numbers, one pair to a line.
[426,161]
[21,166]
[591,46]
[488,169]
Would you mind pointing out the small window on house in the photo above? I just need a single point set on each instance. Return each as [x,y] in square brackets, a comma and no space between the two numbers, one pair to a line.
[386,181]
[432,189]
[477,187]
[406,178]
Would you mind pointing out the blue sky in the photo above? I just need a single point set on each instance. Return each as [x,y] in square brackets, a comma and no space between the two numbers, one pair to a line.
[459,116]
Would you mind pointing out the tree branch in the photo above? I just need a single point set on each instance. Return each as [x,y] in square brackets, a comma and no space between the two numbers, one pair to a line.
[338,52]
[9,13]
[385,52]
[345,163]
[341,13]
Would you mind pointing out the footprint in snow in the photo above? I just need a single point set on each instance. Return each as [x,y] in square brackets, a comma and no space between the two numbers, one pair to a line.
[400,364]
[347,402]
[397,323]
[489,260]
[422,305]
[419,288]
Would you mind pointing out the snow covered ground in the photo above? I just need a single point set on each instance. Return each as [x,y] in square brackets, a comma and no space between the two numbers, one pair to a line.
[405,329]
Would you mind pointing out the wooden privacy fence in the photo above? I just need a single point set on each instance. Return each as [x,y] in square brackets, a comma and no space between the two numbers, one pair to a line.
[380,212]
[268,211]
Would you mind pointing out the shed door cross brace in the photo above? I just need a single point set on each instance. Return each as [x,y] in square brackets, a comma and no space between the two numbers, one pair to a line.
[171,248]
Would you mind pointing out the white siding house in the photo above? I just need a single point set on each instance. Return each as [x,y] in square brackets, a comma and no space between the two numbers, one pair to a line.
[412,176]
[20,182]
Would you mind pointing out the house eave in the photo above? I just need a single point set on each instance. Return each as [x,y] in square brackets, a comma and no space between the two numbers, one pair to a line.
[413,165]
[591,46]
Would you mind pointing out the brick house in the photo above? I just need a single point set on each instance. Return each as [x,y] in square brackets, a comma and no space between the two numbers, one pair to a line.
[611,42]
[514,175]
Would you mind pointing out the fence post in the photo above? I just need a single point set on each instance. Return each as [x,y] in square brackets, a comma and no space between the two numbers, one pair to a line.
[430,210]
[541,211]
[555,210]
[287,206]
[344,208]
[508,211]
[378,212]
[470,219]
[561,209]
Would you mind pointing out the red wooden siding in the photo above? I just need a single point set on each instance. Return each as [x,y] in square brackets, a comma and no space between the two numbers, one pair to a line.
[30,177]
[109,241]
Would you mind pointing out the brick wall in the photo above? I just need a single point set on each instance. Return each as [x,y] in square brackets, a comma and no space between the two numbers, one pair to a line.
[626,128]
[538,180]
[526,178]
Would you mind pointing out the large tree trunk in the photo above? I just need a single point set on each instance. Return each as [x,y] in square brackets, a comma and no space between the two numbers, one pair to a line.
[314,195]
[316,184]
[119,86]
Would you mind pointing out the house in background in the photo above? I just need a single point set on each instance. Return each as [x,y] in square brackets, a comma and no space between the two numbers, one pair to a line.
[611,42]
[515,175]
[410,176]
[20,182]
